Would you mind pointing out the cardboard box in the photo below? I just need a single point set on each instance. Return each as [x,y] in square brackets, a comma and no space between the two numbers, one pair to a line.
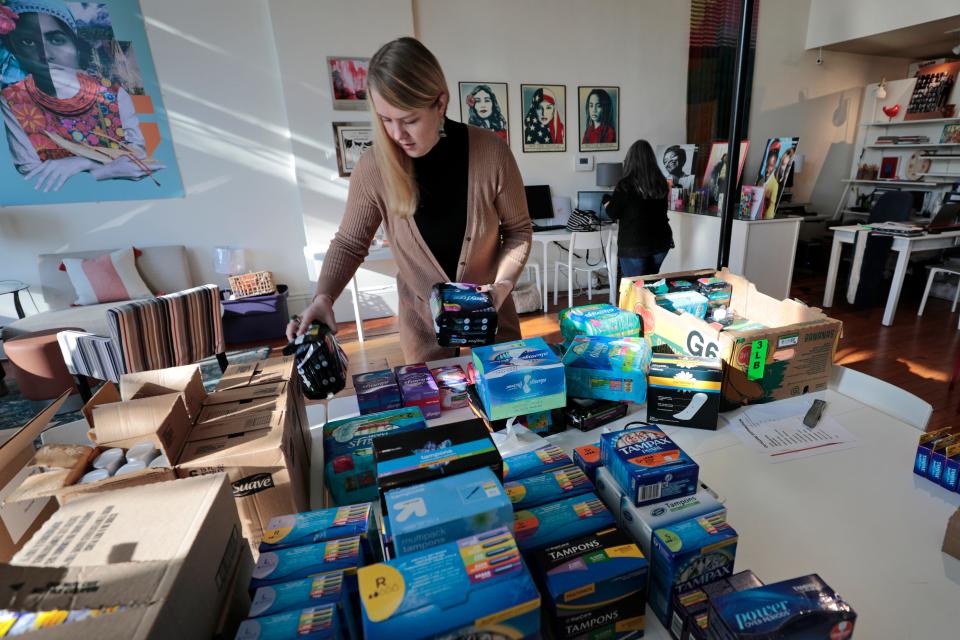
[173,575]
[794,350]
[184,380]
[519,377]
[684,391]
[19,520]
[951,538]
[648,465]
[267,371]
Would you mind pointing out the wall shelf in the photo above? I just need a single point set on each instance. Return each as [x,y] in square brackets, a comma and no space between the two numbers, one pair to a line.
[908,122]
[927,145]
[897,183]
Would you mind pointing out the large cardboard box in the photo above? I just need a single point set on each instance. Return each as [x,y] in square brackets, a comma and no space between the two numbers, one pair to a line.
[168,552]
[790,355]
[19,520]
[184,380]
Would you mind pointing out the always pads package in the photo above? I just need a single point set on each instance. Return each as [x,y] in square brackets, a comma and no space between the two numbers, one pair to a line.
[520,377]
[684,390]
[607,368]
[462,315]
[648,465]
[599,320]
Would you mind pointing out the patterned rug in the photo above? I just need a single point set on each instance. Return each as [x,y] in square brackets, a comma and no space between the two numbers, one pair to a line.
[15,410]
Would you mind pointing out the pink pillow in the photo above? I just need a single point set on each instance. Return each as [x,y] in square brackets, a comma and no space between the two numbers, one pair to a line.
[111,277]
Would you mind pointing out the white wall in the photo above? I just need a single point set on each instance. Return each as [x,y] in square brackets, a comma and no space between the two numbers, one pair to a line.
[833,21]
[218,72]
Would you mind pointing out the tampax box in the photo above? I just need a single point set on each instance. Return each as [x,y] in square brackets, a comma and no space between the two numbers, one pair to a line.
[474,587]
[799,608]
[531,463]
[349,468]
[554,522]
[519,377]
[320,622]
[310,527]
[648,465]
[463,316]
[688,554]
[440,511]
[377,391]
[641,522]
[791,352]
[928,441]
[547,487]
[419,389]
[684,391]
[596,586]
[452,382]
[293,563]
[165,551]
[607,368]
[691,609]
[598,320]
[587,457]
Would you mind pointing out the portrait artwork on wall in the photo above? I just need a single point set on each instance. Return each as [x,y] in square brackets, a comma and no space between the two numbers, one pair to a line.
[676,164]
[484,104]
[715,174]
[599,118]
[348,82]
[352,139]
[545,114]
[83,118]
[776,168]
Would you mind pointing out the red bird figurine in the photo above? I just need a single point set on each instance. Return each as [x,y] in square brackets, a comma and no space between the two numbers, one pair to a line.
[892,111]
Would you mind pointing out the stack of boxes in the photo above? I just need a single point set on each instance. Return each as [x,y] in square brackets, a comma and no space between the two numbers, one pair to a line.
[938,458]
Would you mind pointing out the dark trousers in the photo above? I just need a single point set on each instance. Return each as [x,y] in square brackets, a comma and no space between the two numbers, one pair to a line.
[642,266]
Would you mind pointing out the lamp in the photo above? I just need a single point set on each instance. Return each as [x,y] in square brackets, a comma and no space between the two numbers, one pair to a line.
[609,173]
[229,261]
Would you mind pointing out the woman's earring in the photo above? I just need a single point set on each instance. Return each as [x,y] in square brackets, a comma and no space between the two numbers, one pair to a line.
[443,132]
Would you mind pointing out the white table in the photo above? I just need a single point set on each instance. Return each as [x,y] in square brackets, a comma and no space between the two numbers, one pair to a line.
[562,236]
[858,517]
[902,245]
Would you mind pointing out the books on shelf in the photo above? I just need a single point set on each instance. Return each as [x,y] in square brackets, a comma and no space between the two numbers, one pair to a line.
[902,140]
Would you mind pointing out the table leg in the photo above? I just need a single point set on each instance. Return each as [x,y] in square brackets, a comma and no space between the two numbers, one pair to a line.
[18,306]
[832,272]
[894,296]
[546,250]
[355,290]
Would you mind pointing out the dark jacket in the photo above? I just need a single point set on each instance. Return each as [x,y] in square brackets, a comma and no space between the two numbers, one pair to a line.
[644,226]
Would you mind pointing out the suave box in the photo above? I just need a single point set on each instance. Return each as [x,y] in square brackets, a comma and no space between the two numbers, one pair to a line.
[452,382]
[349,467]
[688,554]
[474,587]
[641,522]
[924,449]
[554,522]
[440,511]
[412,457]
[419,389]
[800,608]
[531,463]
[587,457]
[607,368]
[547,487]
[647,465]
[684,391]
[598,320]
[463,316]
[519,377]
[596,586]
[284,565]
[310,527]
[320,622]
[377,391]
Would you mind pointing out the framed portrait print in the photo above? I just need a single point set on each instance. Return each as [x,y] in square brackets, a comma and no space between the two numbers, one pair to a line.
[676,164]
[545,115]
[598,114]
[485,105]
[348,82]
[352,139]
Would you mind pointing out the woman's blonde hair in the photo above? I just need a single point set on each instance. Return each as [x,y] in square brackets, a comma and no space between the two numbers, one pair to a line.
[407,76]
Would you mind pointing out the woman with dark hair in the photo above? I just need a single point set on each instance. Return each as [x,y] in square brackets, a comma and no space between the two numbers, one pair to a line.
[599,118]
[639,202]
[59,116]
[485,110]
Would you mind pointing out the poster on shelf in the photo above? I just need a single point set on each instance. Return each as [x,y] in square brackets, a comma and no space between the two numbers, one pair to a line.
[676,164]
[715,174]
[775,170]
[545,114]
[485,105]
[599,118]
[83,118]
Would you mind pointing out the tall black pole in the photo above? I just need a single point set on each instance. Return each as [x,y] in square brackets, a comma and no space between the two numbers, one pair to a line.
[731,194]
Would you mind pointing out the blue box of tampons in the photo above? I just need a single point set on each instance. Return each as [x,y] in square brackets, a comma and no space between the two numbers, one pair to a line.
[925,449]
[474,587]
[310,527]
[531,463]
[440,511]
[547,487]
[648,465]
[518,378]
[555,522]
[321,589]
[318,623]
[284,565]
[798,609]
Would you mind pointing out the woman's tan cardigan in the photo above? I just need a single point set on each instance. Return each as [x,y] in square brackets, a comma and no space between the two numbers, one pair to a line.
[494,250]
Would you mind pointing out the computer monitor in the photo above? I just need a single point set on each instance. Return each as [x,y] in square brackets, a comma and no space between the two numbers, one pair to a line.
[539,203]
[592,201]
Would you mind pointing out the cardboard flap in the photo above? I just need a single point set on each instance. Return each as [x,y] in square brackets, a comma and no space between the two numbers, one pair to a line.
[29,432]
[217,450]
[162,420]
[238,423]
[246,393]
[261,372]
[951,538]
[185,380]
[54,467]
[106,394]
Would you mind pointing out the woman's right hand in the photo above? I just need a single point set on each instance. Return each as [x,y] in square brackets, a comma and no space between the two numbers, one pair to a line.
[320,309]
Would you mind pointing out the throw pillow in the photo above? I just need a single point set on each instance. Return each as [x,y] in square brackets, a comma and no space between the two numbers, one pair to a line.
[112,277]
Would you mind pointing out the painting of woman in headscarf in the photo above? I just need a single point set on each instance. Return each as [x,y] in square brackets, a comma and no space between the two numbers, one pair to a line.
[543,128]
[599,115]
[484,104]
[70,98]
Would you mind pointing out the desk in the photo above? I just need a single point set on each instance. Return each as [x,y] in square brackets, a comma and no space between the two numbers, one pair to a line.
[903,246]
[562,236]
[382,254]
[873,536]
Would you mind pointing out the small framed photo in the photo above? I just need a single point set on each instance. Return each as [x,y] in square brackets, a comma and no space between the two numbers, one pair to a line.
[352,139]
[599,118]
[485,105]
[888,168]
[545,115]
[348,82]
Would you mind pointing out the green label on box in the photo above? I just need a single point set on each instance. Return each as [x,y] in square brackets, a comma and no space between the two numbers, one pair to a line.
[758,358]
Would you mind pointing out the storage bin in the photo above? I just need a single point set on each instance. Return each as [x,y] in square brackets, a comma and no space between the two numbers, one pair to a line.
[255,318]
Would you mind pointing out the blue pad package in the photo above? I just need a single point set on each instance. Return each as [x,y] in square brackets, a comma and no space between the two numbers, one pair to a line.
[598,320]
[607,368]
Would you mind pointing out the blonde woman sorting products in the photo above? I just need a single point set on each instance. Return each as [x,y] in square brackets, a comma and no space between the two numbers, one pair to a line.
[449,195]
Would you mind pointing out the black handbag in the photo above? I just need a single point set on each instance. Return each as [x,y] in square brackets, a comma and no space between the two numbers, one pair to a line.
[580,220]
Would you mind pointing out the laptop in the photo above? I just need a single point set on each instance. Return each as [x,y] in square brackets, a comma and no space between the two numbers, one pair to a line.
[947,219]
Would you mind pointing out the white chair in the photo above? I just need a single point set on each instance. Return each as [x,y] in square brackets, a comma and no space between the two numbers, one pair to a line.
[926,292]
[584,242]
[881,395]
[535,270]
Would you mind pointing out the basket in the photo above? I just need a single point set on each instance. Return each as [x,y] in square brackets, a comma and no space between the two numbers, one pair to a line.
[259,283]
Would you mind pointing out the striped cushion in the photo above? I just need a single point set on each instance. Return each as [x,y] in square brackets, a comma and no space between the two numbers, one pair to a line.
[108,278]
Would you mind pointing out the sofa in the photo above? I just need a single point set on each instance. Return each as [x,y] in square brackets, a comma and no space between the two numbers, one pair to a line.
[164,269]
